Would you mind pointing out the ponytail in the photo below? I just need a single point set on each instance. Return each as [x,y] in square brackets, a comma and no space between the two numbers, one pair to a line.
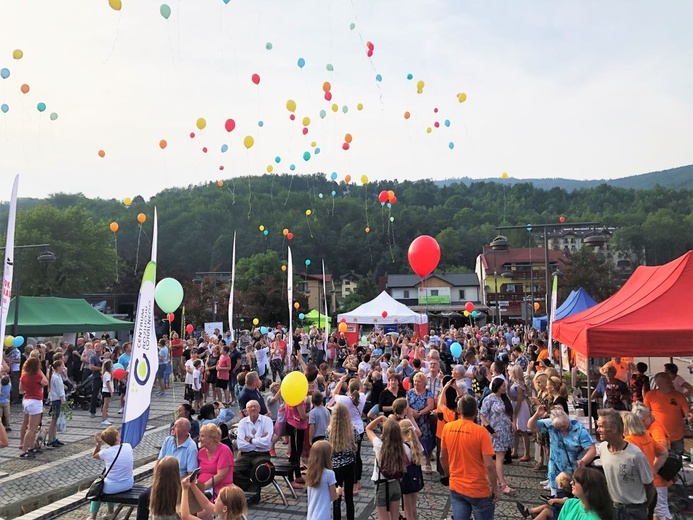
[355,392]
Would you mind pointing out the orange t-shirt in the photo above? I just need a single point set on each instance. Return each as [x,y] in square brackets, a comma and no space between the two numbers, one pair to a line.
[669,410]
[659,433]
[543,354]
[650,449]
[466,443]
[448,416]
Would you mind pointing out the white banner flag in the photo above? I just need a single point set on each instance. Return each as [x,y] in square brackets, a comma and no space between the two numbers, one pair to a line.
[144,358]
[552,316]
[233,283]
[290,298]
[9,265]
[324,293]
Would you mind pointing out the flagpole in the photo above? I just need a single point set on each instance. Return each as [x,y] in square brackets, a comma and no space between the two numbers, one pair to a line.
[233,283]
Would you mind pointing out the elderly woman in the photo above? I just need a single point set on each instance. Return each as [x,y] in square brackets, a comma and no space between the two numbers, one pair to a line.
[215,460]
[571,444]
[421,401]
[31,384]
[117,457]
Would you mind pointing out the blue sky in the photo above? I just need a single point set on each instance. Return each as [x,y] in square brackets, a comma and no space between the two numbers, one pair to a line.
[554,89]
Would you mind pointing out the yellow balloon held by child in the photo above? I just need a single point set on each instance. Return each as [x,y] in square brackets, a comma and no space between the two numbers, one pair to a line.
[294,388]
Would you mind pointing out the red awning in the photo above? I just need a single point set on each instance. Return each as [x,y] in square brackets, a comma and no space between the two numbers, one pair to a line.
[652,315]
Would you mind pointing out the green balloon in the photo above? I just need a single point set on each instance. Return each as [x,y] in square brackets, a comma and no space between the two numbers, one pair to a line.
[345,109]
[165,11]
[168,295]
[352,26]
[41,107]
[54,116]
[330,68]
[268,46]
[322,114]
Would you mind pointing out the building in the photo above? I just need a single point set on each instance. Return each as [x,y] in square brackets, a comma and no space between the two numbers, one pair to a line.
[312,287]
[347,285]
[438,294]
[512,280]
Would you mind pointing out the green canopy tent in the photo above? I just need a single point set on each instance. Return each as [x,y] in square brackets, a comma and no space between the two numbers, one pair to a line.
[51,316]
[320,320]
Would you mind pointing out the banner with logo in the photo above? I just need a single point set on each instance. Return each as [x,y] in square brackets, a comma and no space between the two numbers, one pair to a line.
[144,358]
[9,266]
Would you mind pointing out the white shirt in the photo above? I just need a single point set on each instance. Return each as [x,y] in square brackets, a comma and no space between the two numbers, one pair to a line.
[354,411]
[366,367]
[120,478]
[261,357]
[107,377]
[188,375]
[246,428]
[196,380]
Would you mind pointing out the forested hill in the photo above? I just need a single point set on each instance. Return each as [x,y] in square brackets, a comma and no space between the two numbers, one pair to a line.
[676,178]
[350,230]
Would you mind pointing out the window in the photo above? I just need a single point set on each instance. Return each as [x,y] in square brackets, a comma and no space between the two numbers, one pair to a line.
[346,282]
[405,294]
[434,292]
[462,295]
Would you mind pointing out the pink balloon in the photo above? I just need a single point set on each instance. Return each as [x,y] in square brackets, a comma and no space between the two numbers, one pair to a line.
[424,255]
[230,125]
[255,78]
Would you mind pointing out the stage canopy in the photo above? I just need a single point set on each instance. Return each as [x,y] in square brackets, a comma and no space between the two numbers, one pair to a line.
[372,312]
[652,314]
[50,316]
[320,320]
[577,301]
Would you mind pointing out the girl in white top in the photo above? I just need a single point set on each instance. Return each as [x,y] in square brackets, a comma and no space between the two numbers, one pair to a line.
[321,482]
[56,396]
[106,390]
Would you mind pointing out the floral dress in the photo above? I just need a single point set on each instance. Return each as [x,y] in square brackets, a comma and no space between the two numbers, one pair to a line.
[493,409]
[418,402]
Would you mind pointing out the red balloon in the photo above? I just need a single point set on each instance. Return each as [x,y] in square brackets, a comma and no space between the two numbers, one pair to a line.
[393,199]
[292,116]
[290,236]
[435,110]
[221,167]
[189,328]
[469,306]
[119,373]
[406,383]
[305,130]
[370,45]
[345,146]
[384,315]
[170,317]
[343,320]
[192,135]
[562,219]
[255,78]
[328,96]
[436,124]
[382,196]
[230,125]
[369,53]
[424,255]
[204,149]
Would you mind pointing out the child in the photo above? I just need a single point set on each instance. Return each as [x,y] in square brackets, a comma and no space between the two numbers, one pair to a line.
[240,383]
[197,383]
[275,405]
[411,439]
[321,481]
[318,419]
[229,505]
[5,390]
[552,508]
[106,390]
[56,396]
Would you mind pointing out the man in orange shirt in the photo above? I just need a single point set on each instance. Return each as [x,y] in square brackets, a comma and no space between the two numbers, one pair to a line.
[669,407]
[622,366]
[467,457]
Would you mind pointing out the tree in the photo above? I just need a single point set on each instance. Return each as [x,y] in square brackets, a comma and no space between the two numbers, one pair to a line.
[365,292]
[589,270]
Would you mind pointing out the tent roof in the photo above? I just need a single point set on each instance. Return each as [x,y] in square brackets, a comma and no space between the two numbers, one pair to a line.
[653,310]
[577,301]
[372,312]
[49,316]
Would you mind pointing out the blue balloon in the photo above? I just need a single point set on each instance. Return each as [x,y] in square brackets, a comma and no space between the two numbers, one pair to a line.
[4,108]
[456,350]
[4,73]
[301,316]
[263,330]
[116,366]
[277,159]
[306,156]
[41,107]
[317,151]
[333,176]
[410,76]
[226,1]
[334,193]
[451,145]
[260,124]
[378,77]
[382,204]
[447,122]
[292,167]
[389,205]
[265,232]
[301,62]
[18,341]
[322,114]
[224,148]
[307,262]
[474,314]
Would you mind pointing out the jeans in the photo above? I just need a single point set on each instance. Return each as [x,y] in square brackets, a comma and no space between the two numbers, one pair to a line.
[463,507]
[677,447]
[630,512]
[345,479]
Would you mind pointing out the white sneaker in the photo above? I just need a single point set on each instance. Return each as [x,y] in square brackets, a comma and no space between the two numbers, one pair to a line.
[547,487]
[106,422]
[120,411]
[544,482]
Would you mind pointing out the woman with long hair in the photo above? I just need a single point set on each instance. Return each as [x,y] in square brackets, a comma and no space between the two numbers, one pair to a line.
[321,482]
[31,384]
[541,398]
[341,435]
[166,490]
[296,427]
[521,413]
[558,391]
[447,412]
[391,459]
[411,439]
[592,502]
[496,415]
[56,396]
[229,505]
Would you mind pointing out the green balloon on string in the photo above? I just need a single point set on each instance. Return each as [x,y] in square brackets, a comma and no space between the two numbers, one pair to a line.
[53,116]
[41,107]
[165,11]
[329,67]
[168,294]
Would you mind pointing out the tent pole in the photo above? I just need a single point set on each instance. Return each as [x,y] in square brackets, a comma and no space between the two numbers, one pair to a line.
[589,392]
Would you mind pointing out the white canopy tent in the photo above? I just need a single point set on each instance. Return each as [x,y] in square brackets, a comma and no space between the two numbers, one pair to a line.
[372,312]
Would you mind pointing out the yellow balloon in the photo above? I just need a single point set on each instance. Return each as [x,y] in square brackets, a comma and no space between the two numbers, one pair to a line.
[461,97]
[291,105]
[364,179]
[255,321]
[466,314]
[116,5]
[429,130]
[283,268]
[334,107]
[420,85]
[504,175]
[17,54]
[308,212]
[313,144]
[262,228]
[9,340]
[201,123]
[359,106]
[294,388]
[248,142]
[270,168]
[306,121]
[342,327]
[127,201]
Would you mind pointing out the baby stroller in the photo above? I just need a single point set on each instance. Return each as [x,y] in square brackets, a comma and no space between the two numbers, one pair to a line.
[81,396]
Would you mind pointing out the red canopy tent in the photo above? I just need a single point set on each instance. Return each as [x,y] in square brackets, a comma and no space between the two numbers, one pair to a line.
[652,314]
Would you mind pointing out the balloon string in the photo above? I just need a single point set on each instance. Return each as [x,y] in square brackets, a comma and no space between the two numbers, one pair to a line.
[137,252]
[115,241]
[390,240]
[291,181]
[309,230]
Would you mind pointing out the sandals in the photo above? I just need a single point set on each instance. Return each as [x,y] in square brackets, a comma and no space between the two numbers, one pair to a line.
[427,469]
[507,490]
[523,510]
[524,459]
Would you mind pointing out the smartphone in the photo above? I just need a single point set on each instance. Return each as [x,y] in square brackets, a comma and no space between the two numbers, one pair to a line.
[194,474]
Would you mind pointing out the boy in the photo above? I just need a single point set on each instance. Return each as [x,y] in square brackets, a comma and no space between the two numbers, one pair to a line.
[5,390]
[318,419]
[197,384]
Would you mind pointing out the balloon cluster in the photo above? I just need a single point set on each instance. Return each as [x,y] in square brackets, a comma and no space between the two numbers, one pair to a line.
[13,341]
[387,197]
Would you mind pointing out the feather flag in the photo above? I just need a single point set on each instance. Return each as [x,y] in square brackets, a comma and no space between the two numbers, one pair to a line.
[233,283]
[9,265]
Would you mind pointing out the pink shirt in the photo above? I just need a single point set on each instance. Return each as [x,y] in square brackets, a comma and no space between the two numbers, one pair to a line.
[224,361]
[223,457]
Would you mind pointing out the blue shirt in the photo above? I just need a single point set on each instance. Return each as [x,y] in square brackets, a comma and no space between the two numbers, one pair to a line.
[186,454]
[164,356]
[124,360]
[565,449]
[5,393]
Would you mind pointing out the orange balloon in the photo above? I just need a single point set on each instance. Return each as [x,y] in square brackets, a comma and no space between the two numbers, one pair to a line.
[163,144]
[141,218]
[285,232]
[348,138]
[220,183]
[326,87]
[102,153]
[296,305]
[283,268]
[368,230]
[407,115]
[342,327]
[113,227]
[390,194]
[24,88]
[347,179]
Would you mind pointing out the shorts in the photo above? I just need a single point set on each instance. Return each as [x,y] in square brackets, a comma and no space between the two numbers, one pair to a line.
[223,384]
[387,492]
[55,408]
[197,394]
[105,394]
[122,386]
[161,371]
[32,406]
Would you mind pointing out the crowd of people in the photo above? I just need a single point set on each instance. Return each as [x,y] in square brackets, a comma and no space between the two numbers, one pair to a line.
[408,396]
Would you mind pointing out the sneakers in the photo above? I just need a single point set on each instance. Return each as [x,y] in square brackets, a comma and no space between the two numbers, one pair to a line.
[92,415]
[160,394]
[544,482]
[547,487]
[55,443]
[106,422]
[523,510]
[120,412]
[27,455]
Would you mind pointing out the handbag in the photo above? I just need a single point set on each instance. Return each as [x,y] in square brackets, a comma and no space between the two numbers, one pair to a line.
[96,488]
[671,467]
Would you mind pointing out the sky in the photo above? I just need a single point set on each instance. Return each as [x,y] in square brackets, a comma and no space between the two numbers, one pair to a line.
[580,90]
